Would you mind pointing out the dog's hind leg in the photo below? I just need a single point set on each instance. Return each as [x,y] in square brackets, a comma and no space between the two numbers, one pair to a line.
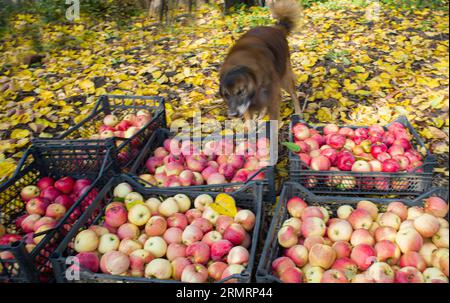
[288,84]
[274,115]
[274,108]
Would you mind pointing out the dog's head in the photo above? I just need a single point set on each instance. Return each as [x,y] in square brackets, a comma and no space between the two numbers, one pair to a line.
[237,88]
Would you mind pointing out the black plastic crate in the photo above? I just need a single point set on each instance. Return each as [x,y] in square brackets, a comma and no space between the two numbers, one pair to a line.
[272,250]
[354,183]
[157,140]
[249,197]
[34,266]
[75,143]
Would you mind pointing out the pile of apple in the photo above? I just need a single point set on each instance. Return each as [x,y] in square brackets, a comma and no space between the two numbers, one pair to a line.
[45,204]
[126,128]
[166,239]
[362,150]
[130,125]
[363,245]
[182,164]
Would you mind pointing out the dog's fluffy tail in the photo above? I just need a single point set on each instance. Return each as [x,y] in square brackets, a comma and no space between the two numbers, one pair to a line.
[287,12]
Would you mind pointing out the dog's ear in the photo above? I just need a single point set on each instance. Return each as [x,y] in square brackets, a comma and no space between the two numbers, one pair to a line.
[228,78]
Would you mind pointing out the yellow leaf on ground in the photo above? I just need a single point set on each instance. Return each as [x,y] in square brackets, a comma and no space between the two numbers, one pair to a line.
[427,81]
[324,115]
[126,85]
[437,133]
[302,78]
[20,133]
[6,169]
[87,86]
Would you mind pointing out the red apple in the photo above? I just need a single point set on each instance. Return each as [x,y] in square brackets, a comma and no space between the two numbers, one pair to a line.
[388,138]
[403,142]
[29,192]
[301,132]
[383,156]
[347,132]
[336,141]
[37,206]
[377,149]
[320,163]
[436,206]
[65,201]
[304,148]
[55,211]
[330,129]
[413,156]
[235,233]
[313,144]
[50,193]
[345,161]
[375,129]
[220,249]
[331,154]
[65,185]
[319,138]
[402,161]
[396,150]
[45,182]
[390,165]
[152,163]
[216,269]
[296,206]
[363,255]
[305,158]
[362,133]
[28,223]
[81,184]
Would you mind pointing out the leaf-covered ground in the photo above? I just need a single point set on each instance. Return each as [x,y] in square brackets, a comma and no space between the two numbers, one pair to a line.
[356,65]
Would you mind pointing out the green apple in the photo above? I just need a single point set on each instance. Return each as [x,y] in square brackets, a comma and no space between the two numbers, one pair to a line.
[86,241]
[122,190]
[139,214]
[183,201]
[108,242]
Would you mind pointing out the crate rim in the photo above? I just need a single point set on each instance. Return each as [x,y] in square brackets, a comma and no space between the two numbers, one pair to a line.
[22,169]
[102,102]
[57,256]
[140,161]
[47,233]
[420,182]
[263,272]
[429,159]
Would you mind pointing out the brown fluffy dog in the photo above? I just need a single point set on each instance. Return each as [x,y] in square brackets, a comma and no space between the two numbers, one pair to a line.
[258,66]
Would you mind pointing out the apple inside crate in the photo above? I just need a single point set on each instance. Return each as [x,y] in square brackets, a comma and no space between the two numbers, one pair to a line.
[38,205]
[207,163]
[121,123]
[347,239]
[358,160]
[133,233]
